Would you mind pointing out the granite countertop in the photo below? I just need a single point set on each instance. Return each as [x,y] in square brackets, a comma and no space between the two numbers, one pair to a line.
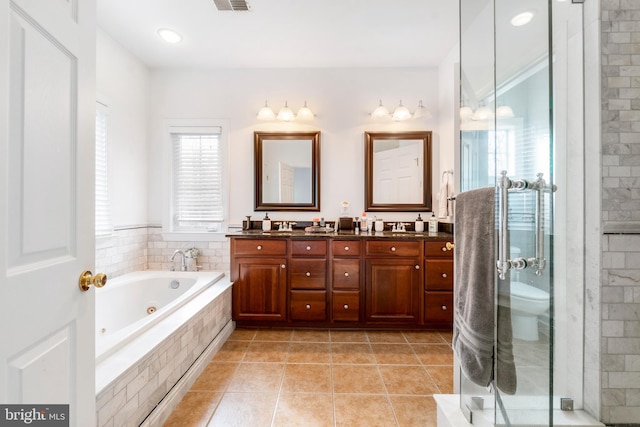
[350,235]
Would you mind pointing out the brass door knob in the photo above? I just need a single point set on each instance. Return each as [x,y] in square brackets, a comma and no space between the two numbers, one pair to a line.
[87,279]
[450,246]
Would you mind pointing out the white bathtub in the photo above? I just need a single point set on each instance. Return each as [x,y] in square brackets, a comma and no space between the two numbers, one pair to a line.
[131,304]
[148,356]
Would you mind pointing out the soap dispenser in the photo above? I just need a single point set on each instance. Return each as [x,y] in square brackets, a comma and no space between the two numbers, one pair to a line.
[433,223]
[266,222]
[419,224]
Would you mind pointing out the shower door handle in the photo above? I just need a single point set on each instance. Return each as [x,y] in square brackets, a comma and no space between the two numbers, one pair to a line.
[538,262]
[503,264]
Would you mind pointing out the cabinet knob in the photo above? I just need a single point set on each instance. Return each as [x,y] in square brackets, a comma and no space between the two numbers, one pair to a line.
[346,306]
[308,306]
[308,248]
[259,247]
[450,246]
[346,274]
[417,267]
[308,274]
[283,266]
[393,248]
[444,307]
[346,248]
[444,275]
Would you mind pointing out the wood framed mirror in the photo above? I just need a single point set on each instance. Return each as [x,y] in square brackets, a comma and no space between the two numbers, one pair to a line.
[397,171]
[287,171]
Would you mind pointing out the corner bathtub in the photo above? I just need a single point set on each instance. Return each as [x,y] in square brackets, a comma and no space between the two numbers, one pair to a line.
[151,327]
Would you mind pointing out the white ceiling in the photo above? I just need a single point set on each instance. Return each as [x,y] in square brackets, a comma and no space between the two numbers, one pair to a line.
[285,33]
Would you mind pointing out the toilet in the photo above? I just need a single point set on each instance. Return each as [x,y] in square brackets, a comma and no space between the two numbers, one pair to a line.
[527,303]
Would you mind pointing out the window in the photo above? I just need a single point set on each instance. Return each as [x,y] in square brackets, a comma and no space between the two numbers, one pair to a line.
[198,179]
[103,221]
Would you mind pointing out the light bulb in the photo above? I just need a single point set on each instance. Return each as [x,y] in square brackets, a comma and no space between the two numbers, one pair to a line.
[401,112]
[266,113]
[285,114]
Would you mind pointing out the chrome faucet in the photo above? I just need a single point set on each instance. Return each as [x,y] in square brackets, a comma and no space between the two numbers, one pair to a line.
[183,265]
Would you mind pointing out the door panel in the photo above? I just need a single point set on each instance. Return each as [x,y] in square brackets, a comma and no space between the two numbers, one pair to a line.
[47,111]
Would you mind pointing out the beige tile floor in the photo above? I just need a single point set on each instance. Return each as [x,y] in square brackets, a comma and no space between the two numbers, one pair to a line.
[321,378]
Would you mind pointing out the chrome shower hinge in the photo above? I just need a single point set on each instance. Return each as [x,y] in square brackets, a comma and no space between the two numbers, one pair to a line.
[566,404]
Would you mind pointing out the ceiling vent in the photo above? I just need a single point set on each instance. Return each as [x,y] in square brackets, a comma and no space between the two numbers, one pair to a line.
[233,5]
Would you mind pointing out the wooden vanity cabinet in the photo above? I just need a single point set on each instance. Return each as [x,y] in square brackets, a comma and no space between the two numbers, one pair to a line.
[345,280]
[438,284]
[259,275]
[308,280]
[355,282]
[393,281]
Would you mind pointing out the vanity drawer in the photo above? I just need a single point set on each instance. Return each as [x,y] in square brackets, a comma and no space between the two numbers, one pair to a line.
[438,274]
[309,247]
[438,307]
[438,249]
[308,305]
[261,247]
[345,248]
[346,273]
[308,273]
[345,306]
[392,248]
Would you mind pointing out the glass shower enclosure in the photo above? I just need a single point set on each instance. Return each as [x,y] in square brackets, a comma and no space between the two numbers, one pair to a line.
[515,84]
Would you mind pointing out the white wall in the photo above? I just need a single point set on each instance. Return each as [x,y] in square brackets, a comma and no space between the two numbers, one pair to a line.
[341,98]
[123,83]
[448,107]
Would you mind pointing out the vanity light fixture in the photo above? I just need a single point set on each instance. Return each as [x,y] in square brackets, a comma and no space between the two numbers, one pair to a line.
[401,113]
[466,113]
[522,19]
[169,35]
[504,112]
[305,113]
[380,112]
[421,112]
[484,113]
[286,114]
[266,113]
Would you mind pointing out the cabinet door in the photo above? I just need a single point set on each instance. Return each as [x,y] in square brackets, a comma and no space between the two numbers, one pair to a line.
[308,273]
[259,290]
[308,305]
[438,274]
[393,290]
[346,273]
[345,306]
[438,308]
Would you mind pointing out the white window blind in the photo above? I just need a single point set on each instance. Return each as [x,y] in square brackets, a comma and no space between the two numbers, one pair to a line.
[197,185]
[103,224]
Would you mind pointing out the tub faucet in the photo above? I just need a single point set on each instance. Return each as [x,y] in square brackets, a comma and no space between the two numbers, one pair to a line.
[183,265]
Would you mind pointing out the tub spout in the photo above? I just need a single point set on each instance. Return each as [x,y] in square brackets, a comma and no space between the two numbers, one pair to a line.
[183,265]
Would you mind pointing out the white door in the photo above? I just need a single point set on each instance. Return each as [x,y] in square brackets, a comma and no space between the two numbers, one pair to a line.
[398,177]
[47,120]
[286,183]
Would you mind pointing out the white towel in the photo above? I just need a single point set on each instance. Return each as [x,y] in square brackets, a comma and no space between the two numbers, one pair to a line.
[446,190]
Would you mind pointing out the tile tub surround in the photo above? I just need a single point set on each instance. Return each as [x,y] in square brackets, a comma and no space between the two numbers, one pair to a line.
[136,248]
[324,377]
[133,395]
[620,212]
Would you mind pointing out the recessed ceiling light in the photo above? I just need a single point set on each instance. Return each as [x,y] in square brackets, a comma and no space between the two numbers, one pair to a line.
[170,36]
[522,19]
